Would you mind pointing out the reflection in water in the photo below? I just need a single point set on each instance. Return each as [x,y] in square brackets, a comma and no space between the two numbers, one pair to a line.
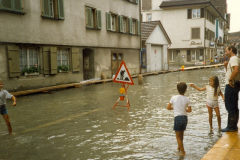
[80,123]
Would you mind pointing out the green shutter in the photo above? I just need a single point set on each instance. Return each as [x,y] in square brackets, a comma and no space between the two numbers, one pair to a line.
[108,18]
[120,18]
[17,5]
[136,1]
[89,17]
[53,58]
[99,19]
[46,60]
[13,61]
[46,8]
[60,9]
[130,25]
[139,28]
[75,59]
[6,4]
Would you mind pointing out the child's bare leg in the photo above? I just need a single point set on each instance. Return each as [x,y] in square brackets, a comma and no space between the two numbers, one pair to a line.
[218,117]
[179,137]
[7,120]
[210,116]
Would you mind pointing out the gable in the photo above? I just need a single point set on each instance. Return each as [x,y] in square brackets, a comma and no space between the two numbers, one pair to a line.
[157,37]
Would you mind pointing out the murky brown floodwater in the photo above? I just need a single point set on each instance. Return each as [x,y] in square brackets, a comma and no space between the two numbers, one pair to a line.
[80,123]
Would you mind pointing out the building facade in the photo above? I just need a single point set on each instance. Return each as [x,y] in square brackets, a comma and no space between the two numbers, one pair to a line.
[51,42]
[194,27]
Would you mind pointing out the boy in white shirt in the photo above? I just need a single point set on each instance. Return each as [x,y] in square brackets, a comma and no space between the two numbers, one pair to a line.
[181,105]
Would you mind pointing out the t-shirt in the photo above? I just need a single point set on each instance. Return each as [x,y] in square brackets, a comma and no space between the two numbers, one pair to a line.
[210,93]
[3,96]
[232,62]
[180,104]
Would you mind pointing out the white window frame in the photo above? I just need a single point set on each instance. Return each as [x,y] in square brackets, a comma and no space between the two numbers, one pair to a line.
[51,8]
[134,24]
[172,52]
[59,51]
[194,53]
[28,58]
[196,11]
[149,17]
[125,24]
[113,22]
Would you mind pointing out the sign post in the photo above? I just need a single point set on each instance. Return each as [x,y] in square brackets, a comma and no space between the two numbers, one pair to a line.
[123,76]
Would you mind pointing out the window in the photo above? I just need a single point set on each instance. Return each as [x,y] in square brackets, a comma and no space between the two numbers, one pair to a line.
[220,25]
[133,1]
[195,55]
[210,17]
[195,13]
[113,22]
[134,25]
[28,58]
[93,18]
[62,57]
[11,5]
[172,55]
[220,40]
[195,33]
[149,17]
[53,9]
[125,25]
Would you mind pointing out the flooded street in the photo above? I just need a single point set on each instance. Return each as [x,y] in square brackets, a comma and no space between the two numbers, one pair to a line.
[79,123]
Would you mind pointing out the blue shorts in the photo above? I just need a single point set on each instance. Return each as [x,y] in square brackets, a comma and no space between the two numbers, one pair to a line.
[180,123]
[3,110]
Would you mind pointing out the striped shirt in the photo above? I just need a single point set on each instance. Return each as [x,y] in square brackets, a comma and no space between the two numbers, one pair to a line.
[210,93]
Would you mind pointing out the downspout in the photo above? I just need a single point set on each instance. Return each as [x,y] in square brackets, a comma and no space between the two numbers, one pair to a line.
[168,54]
[140,19]
[205,57]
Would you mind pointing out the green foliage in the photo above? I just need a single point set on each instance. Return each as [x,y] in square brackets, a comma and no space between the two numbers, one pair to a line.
[30,70]
[63,68]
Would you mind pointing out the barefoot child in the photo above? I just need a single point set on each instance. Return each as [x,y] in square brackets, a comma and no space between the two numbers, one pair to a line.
[180,105]
[3,110]
[213,91]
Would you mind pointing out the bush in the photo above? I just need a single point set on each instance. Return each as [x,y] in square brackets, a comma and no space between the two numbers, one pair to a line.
[63,68]
[30,70]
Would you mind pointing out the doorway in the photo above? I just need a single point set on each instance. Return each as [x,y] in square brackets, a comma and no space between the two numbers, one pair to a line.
[88,64]
[116,58]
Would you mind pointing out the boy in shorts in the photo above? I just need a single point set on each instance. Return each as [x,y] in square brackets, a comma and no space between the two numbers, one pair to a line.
[3,109]
[180,105]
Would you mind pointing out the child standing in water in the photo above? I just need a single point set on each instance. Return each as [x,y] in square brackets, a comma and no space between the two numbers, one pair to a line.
[180,105]
[3,110]
[213,91]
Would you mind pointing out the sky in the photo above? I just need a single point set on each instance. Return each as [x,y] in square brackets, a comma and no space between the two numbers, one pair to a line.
[233,7]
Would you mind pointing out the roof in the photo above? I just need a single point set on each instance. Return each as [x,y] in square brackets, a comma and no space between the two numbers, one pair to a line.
[185,3]
[149,26]
[234,37]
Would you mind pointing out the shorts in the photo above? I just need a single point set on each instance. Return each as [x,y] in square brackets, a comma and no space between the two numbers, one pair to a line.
[3,110]
[211,103]
[180,123]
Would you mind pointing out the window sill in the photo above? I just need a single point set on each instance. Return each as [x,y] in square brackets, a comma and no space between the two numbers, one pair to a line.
[45,17]
[12,11]
[31,74]
[63,71]
[124,33]
[93,28]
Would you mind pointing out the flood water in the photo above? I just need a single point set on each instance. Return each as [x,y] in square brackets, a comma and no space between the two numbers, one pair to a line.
[79,123]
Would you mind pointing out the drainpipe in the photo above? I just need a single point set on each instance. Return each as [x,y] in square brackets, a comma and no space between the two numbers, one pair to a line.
[168,54]
[140,19]
[205,57]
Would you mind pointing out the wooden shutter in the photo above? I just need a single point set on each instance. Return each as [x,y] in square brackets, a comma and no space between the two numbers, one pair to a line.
[53,58]
[139,27]
[13,61]
[189,16]
[6,4]
[89,17]
[130,25]
[99,19]
[202,12]
[46,60]
[60,9]
[75,60]
[108,18]
[46,8]
[120,18]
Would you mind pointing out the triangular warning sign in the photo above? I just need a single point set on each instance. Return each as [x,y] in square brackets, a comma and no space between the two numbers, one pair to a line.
[123,75]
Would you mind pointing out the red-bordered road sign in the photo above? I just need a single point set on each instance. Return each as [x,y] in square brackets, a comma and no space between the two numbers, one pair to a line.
[123,75]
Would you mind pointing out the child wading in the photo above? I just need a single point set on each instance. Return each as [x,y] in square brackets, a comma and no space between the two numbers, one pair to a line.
[213,91]
[180,105]
[3,109]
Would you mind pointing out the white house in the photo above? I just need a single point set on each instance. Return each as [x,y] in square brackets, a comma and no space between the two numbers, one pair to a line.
[155,43]
[191,26]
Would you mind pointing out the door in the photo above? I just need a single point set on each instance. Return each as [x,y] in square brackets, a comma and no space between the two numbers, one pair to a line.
[156,58]
[116,58]
[88,64]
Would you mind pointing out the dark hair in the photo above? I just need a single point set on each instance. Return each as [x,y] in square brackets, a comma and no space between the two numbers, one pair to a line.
[234,49]
[216,84]
[181,87]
